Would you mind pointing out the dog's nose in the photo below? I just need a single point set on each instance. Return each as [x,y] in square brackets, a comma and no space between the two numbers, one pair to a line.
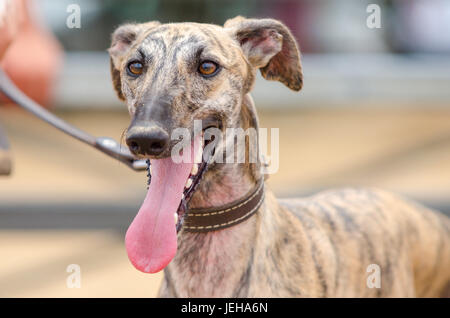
[150,140]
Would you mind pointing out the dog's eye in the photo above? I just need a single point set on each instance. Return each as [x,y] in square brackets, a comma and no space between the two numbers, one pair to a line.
[208,68]
[135,68]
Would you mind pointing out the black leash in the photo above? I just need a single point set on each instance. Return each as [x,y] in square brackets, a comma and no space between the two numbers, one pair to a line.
[105,144]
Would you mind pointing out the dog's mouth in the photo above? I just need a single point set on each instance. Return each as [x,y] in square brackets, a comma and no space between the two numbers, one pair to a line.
[199,166]
[151,239]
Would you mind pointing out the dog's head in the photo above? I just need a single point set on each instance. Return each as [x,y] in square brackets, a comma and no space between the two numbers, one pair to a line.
[172,74]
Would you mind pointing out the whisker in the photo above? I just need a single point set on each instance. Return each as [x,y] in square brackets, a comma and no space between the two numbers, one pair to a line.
[122,136]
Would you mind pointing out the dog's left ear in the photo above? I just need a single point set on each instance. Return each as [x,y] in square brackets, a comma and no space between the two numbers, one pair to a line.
[268,45]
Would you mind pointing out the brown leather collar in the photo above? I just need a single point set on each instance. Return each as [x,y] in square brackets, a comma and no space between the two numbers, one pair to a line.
[217,218]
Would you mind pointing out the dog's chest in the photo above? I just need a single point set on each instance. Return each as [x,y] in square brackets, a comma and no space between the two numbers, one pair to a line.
[211,265]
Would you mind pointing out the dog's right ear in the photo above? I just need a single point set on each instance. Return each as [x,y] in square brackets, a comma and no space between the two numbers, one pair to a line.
[121,40]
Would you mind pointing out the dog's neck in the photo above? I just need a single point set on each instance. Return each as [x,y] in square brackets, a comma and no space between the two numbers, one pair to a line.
[227,182]
[205,262]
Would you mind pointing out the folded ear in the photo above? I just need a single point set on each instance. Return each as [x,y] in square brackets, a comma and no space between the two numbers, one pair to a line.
[122,39]
[269,45]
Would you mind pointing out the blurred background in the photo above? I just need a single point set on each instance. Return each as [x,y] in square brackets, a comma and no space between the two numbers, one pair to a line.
[374,112]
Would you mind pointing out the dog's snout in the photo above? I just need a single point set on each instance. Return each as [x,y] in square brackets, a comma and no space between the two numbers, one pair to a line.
[151,140]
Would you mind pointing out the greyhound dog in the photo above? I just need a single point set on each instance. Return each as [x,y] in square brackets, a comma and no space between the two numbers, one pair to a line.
[214,227]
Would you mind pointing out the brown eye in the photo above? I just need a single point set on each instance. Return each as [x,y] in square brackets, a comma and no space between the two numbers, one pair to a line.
[135,68]
[208,68]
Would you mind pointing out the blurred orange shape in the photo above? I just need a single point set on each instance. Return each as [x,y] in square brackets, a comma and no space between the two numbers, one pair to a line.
[32,61]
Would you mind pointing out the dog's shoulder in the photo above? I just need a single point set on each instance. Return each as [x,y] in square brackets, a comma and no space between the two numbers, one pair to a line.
[372,211]
[341,200]
[353,209]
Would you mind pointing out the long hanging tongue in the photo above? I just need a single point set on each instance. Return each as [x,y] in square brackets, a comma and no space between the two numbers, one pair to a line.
[151,239]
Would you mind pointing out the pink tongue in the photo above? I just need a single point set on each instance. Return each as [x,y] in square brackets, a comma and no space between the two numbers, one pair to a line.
[151,239]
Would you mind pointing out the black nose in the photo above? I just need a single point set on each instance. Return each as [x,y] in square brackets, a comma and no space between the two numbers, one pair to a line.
[147,140]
